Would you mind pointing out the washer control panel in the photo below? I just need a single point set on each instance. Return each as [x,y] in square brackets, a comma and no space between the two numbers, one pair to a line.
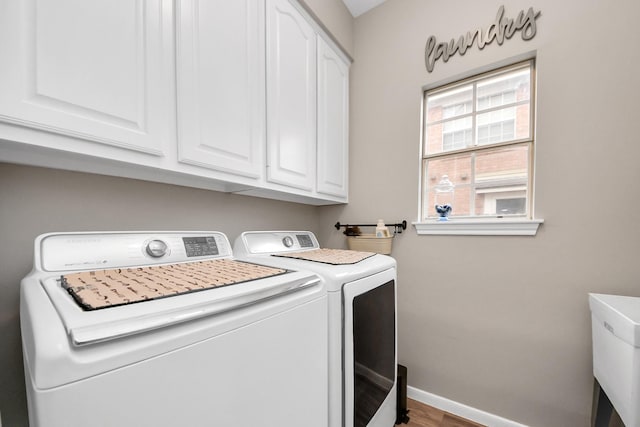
[200,246]
[90,251]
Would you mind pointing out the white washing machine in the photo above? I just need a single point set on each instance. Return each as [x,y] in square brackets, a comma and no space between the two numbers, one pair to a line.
[361,319]
[168,329]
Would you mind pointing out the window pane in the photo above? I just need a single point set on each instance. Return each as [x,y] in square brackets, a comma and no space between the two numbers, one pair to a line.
[498,125]
[507,124]
[458,170]
[456,134]
[449,135]
[446,130]
[501,178]
[508,206]
[504,89]
[454,102]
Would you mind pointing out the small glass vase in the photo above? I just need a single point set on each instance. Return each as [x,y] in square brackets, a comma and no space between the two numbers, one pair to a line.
[444,198]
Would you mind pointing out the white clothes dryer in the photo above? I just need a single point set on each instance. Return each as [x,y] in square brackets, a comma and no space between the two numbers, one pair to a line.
[361,319]
[168,329]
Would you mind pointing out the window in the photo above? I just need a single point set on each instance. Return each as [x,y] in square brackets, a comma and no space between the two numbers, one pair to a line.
[477,152]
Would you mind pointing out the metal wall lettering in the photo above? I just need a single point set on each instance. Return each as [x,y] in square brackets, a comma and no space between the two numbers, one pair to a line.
[501,29]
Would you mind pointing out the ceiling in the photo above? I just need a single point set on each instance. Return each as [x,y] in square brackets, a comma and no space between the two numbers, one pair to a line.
[358,7]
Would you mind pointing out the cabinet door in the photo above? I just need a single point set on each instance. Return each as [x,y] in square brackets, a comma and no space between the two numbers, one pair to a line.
[97,70]
[220,69]
[333,122]
[291,97]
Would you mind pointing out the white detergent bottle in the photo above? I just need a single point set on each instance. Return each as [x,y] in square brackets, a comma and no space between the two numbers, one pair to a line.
[381,229]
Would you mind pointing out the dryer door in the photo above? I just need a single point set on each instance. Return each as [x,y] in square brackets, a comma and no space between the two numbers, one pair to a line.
[370,359]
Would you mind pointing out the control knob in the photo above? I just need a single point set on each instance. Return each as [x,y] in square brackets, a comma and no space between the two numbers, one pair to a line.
[287,241]
[156,248]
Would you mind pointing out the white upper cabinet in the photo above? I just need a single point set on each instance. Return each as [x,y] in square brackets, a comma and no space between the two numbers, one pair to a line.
[95,70]
[333,122]
[291,97]
[221,89]
[241,96]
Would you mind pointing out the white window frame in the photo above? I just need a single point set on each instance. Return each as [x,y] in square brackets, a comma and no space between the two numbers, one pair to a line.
[485,225]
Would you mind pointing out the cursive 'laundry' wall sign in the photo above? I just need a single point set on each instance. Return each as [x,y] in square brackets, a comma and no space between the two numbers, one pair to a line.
[501,29]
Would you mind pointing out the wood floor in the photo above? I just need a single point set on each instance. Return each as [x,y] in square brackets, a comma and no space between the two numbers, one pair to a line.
[422,415]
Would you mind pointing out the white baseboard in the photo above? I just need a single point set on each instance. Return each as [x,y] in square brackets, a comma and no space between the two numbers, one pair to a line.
[460,409]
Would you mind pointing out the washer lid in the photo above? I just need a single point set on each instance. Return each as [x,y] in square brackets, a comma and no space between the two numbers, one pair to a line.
[89,327]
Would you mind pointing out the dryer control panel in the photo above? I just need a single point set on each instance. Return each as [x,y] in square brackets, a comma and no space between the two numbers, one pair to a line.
[90,251]
[273,242]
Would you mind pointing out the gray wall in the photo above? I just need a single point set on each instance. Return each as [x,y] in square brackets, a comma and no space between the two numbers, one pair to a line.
[498,323]
[37,200]
[502,323]
[336,18]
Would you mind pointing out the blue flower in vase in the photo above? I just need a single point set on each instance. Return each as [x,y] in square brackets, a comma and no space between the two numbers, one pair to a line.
[443,211]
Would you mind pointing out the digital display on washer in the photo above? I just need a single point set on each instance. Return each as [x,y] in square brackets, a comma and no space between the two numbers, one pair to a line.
[200,246]
[304,240]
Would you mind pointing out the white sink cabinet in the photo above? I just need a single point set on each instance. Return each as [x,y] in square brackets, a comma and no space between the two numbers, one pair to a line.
[615,326]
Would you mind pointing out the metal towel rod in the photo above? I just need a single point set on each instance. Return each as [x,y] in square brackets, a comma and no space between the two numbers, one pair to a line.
[397,227]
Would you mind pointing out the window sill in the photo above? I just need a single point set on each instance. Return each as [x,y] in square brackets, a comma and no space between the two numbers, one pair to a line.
[480,227]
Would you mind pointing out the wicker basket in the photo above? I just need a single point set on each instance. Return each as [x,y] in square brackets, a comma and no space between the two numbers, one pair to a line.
[370,243]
